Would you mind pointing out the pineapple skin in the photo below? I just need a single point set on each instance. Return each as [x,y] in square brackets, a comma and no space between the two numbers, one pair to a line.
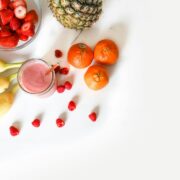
[76,14]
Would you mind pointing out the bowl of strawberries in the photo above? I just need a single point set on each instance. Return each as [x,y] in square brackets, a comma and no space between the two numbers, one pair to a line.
[19,23]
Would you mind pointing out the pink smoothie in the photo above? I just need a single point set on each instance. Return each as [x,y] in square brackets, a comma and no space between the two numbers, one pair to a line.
[34,77]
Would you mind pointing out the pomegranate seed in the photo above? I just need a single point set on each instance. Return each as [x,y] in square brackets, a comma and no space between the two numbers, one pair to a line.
[72,106]
[68,85]
[64,71]
[61,89]
[36,123]
[93,116]
[60,122]
[14,131]
[58,53]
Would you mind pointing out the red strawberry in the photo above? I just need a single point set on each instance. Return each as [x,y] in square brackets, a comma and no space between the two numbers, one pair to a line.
[18,31]
[14,131]
[17,3]
[9,42]
[6,15]
[28,29]
[23,37]
[15,23]
[31,16]
[4,4]
[11,5]
[20,12]
[5,32]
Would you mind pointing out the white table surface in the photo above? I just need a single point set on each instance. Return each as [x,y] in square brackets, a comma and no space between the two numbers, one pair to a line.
[138,128]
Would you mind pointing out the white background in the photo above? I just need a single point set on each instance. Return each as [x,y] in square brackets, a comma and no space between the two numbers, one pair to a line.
[138,129]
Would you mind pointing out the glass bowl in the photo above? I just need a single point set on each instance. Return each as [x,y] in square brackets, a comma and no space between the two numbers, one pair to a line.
[36,5]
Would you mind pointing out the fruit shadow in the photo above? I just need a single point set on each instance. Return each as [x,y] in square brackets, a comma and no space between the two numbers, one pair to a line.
[70,78]
[64,116]
[17,124]
[45,8]
[118,33]
[61,79]
[96,109]
[40,116]
[76,98]
[88,36]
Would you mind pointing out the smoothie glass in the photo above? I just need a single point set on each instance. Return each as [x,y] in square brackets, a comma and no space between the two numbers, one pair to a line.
[35,77]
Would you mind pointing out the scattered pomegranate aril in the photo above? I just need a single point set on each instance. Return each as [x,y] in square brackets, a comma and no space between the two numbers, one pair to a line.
[68,85]
[64,71]
[58,53]
[36,123]
[14,131]
[60,88]
[72,106]
[60,122]
[93,116]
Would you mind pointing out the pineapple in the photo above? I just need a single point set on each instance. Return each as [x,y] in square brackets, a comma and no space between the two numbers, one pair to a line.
[76,14]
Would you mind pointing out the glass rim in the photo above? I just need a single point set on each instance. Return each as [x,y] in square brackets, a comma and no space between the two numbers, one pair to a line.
[37,93]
